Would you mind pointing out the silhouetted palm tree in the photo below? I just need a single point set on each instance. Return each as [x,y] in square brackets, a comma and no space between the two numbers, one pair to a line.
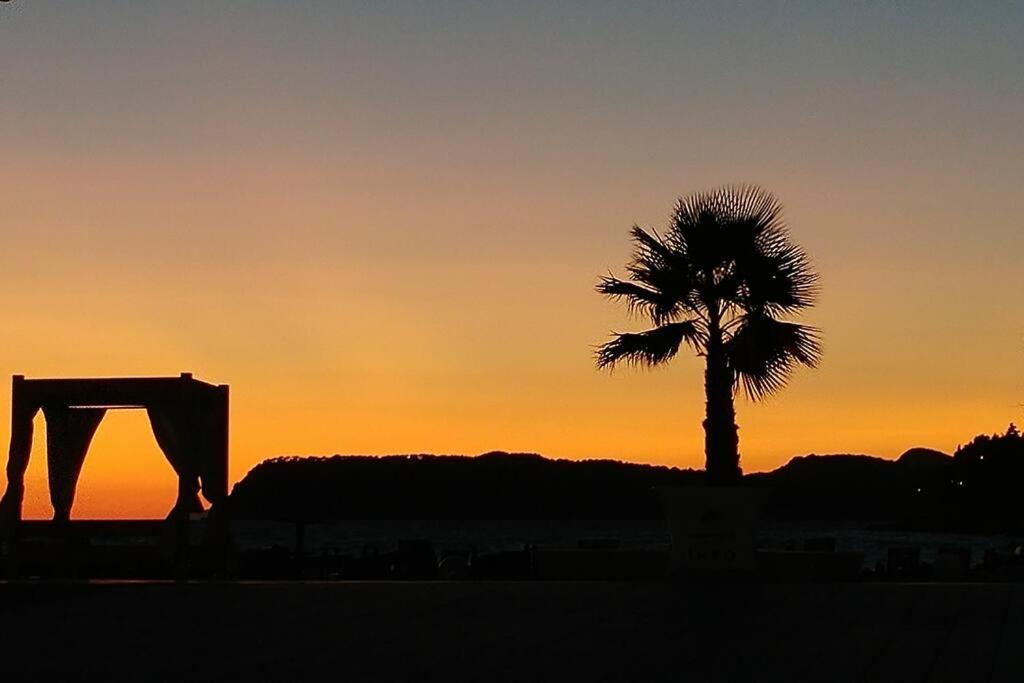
[720,279]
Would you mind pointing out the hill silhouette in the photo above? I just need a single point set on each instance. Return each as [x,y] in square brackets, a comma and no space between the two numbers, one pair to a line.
[924,459]
[494,485]
[975,488]
[861,487]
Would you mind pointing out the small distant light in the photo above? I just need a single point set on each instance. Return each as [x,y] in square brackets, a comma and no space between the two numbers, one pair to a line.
[919,489]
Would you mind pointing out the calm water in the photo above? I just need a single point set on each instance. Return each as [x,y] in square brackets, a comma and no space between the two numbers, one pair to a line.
[352,537]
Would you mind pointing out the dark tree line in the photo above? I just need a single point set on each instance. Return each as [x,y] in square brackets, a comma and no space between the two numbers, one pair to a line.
[979,487]
[491,486]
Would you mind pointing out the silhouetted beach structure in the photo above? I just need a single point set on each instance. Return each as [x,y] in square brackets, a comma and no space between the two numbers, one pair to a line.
[721,279]
[189,420]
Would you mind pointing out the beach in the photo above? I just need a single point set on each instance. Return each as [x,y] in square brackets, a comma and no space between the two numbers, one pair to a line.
[511,631]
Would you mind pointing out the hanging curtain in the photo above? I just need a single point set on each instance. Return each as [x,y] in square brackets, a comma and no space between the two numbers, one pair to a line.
[17,461]
[211,424]
[69,432]
[172,430]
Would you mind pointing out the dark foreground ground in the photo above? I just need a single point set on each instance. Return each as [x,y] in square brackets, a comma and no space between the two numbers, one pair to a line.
[511,631]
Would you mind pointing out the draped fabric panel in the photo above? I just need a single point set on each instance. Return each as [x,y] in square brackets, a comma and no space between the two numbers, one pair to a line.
[17,461]
[211,424]
[69,432]
[173,430]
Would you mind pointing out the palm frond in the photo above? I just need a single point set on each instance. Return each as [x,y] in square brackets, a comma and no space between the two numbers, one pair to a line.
[764,351]
[649,247]
[710,227]
[738,235]
[658,269]
[650,348]
[776,280]
[750,206]
[640,299]
[695,231]
[726,262]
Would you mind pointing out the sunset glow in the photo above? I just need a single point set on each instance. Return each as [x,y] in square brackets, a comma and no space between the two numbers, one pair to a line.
[383,228]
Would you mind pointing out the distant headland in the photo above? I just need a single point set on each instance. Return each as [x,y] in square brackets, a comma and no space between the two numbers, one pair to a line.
[976,488]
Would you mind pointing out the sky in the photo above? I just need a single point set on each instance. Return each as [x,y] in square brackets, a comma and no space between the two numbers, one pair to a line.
[381,223]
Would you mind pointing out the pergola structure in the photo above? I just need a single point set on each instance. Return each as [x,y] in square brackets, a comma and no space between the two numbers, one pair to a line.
[189,420]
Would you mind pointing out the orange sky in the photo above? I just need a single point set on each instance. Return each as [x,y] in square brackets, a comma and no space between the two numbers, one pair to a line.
[383,231]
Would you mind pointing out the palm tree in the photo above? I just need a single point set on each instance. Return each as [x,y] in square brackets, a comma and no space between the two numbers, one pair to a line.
[722,279]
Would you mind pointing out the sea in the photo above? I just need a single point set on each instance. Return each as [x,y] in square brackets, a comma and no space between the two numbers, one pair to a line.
[356,537]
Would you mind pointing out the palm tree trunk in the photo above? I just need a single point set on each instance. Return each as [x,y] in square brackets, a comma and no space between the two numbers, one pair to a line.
[721,437]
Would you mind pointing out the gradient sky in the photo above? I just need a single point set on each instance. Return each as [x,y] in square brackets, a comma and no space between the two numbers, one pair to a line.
[381,223]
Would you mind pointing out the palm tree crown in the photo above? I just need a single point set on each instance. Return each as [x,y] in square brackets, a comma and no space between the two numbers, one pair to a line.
[722,279]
